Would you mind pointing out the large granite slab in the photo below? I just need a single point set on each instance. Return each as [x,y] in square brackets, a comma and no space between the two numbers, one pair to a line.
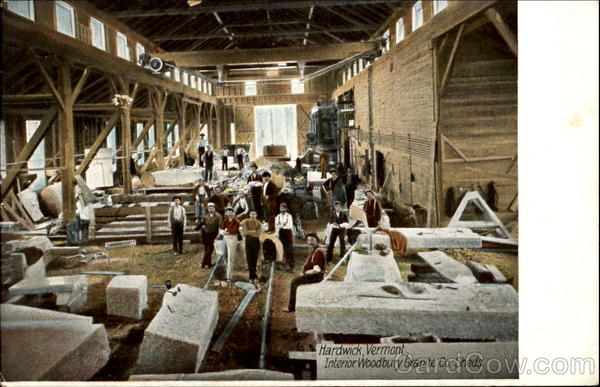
[376,237]
[179,176]
[41,345]
[234,375]
[71,291]
[40,243]
[127,296]
[460,311]
[373,267]
[30,202]
[178,336]
[440,238]
[448,267]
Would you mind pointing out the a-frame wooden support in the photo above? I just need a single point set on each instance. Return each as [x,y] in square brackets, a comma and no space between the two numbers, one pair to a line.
[491,221]
[503,29]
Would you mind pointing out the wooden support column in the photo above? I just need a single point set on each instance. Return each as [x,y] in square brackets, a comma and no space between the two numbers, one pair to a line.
[125,109]
[158,105]
[66,132]
[182,130]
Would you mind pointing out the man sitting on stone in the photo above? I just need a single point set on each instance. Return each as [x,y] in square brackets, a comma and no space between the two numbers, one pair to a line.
[312,271]
[339,222]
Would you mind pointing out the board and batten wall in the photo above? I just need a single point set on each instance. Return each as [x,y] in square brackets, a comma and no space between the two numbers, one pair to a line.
[403,111]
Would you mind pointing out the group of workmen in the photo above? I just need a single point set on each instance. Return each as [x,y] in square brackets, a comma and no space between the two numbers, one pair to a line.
[241,219]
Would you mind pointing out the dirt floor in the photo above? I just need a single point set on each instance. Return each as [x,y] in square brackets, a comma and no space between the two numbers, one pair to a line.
[242,350]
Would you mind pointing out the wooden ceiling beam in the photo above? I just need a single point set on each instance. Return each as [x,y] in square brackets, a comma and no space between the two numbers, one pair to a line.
[267,55]
[241,7]
[23,33]
[300,33]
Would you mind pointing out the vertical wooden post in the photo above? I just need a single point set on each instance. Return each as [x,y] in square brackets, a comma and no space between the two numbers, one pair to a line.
[125,137]
[182,131]
[159,110]
[148,211]
[67,144]
[219,142]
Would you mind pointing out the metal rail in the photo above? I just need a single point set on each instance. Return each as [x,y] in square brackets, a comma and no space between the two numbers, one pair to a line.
[265,324]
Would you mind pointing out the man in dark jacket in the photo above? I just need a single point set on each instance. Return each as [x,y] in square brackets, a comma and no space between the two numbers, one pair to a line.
[256,189]
[220,201]
[208,164]
[269,197]
[336,186]
[351,182]
[338,220]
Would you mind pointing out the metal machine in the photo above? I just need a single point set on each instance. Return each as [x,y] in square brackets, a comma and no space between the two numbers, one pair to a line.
[324,134]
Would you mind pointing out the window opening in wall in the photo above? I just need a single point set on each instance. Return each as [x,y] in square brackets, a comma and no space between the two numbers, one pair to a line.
[297,86]
[111,143]
[193,81]
[122,49]
[209,88]
[399,30]
[355,67]
[36,163]
[177,74]
[139,127]
[417,15]
[386,43]
[250,88]
[139,50]
[186,79]
[204,87]
[65,19]
[438,5]
[232,132]
[276,125]
[22,8]
[98,34]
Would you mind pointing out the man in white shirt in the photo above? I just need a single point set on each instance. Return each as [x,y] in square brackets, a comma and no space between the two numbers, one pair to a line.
[240,206]
[177,222]
[224,159]
[202,144]
[240,153]
[284,225]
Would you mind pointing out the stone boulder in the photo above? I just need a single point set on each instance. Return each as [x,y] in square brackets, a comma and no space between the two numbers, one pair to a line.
[127,296]
[51,200]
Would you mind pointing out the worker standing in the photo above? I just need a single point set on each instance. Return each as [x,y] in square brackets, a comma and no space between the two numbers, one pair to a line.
[251,229]
[225,159]
[201,149]
[230,227]
[284,227]
[177,222]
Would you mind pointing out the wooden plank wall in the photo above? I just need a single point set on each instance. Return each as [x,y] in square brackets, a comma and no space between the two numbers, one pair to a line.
[478,115]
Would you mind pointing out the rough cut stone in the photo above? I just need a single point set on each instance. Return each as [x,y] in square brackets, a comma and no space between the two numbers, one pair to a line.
[35,272]
[448,267]
[180,176]
[51,198]
[30,202]
[486,273]
[244,374]
[440,238]
[127,296]
[10,227]
[40,345]
[378,237]
[372,267]
[40,243]
[86,192]
[178,336]
[56,252]
[71,290]
[459,311]
[15,270]
[99,173]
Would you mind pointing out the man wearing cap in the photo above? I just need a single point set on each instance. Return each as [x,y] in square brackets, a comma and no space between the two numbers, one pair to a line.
[210,229]
[336,186]
[284,226]
[338,220]
[255,189]
[251,229]
[177,222]
[209,157]
[201,149]
[201,192]
[372,209]
[269,197]
[230,227]
[220,201]
[312,271]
